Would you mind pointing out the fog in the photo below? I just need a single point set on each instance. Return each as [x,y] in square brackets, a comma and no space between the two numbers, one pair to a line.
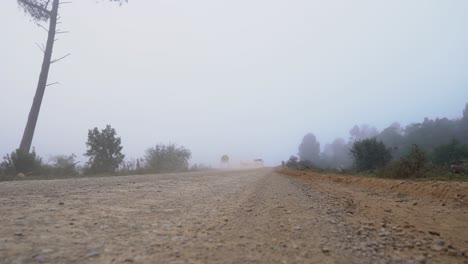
[243,78]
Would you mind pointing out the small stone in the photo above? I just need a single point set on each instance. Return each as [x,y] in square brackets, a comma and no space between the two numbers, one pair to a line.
[388,210]
[19,234]
[40,259]
[438,246]
[383,234]
[129,260]
[297,228]
[415,203]
[452,252]
[434,233]
[420,259]
[61,203]
[325,250]
[93,254]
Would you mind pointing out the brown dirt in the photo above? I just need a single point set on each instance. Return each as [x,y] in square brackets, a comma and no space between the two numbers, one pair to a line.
[440,190]
[249,216]
[418,212]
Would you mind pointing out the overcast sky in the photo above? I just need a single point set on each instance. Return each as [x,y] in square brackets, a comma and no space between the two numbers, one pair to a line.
[247,78]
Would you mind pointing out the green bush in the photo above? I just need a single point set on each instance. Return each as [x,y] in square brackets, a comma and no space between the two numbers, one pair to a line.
[413,165]
[104,151]
[167,158]
[20,161]
[452,153]
[296,164]
[200,167]
[370,154]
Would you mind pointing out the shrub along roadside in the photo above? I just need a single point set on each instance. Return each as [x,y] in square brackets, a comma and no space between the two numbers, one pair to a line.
[413,165]
[370,154]
[416,164]
[21,162]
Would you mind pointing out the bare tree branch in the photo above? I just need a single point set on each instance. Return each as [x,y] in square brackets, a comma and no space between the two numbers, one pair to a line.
[59,59]
[62,32]
[43,27]
[54,83]
[41,48]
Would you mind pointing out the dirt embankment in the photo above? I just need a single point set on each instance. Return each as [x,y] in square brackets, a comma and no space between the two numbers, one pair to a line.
[423,221]
[453,192]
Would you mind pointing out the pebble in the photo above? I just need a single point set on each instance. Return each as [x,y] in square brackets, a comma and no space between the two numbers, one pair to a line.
[325,250]
[420,259]
[40,258]
[437,247]
[93,254]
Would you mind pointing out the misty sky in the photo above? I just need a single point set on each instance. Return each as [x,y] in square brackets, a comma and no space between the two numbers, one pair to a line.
[246,78]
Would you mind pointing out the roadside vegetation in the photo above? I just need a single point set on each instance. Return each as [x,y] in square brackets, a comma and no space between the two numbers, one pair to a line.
[105,157]
[432,149]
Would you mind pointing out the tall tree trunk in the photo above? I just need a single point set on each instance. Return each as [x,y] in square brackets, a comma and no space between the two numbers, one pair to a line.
[28,134]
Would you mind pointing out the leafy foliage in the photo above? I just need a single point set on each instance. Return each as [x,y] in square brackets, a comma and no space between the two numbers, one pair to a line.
[452,153]
[20,161]
[61,165]
[104,150]
[336,155]
[36,9]
[39,10]
[309,148]
[370,154]
[362,132]
[200,167]
[167,158]
[413,165]
[296,164]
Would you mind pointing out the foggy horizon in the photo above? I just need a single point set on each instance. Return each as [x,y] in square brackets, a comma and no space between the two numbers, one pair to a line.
[247,79]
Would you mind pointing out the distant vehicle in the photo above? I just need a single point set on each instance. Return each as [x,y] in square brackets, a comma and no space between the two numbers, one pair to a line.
[256,163]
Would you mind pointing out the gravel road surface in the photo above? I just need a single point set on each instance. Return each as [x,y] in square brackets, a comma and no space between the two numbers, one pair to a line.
[244,216]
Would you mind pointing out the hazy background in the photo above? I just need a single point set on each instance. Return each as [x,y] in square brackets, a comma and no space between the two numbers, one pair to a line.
[246,78]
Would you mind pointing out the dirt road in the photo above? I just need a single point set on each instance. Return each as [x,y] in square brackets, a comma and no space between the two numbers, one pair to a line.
[254,216]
